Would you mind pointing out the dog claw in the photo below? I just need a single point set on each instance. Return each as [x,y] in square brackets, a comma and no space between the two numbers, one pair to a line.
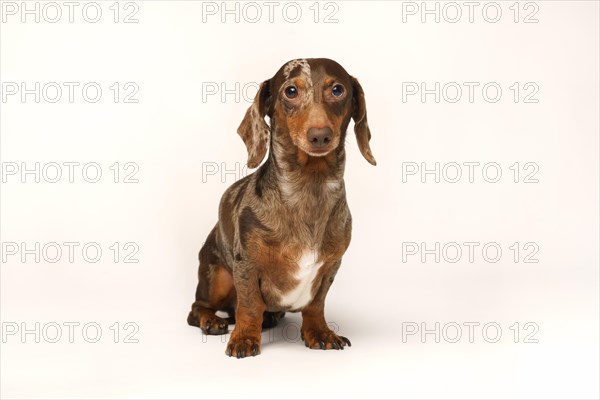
[325,340]
[214,326]
[242,347]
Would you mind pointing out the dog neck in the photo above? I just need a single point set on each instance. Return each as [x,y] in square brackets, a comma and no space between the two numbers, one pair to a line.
[309,187]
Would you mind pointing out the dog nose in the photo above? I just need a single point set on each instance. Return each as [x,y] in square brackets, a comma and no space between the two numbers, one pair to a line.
[319,137]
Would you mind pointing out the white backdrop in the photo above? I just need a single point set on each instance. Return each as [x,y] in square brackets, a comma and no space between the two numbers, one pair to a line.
[437,298]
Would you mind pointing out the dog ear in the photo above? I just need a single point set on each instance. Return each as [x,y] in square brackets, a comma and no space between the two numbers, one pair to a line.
[361,126]
[253,130]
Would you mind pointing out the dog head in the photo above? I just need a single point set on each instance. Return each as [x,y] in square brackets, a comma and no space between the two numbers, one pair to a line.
[311,101]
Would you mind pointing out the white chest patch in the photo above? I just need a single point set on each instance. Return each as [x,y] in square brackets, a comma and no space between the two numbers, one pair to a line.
[302,294]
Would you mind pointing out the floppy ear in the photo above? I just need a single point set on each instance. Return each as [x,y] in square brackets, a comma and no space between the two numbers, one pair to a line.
[361,126]
[253,130]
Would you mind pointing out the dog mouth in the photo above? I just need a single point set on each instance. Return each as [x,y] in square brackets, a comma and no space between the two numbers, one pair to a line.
[318,151]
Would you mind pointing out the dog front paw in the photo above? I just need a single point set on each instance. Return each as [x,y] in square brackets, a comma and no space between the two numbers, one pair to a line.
[241,347]
[324,339]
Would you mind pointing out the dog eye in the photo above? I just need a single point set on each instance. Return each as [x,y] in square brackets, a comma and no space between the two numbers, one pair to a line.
[291,92]
[337,90]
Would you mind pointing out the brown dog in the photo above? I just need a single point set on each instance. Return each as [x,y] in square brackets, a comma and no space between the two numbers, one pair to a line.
[283,229]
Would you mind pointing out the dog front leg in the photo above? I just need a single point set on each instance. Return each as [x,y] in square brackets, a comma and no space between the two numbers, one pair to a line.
[315,332]
[245,338]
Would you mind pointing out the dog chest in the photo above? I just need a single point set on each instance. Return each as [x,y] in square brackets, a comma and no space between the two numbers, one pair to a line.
[301,294]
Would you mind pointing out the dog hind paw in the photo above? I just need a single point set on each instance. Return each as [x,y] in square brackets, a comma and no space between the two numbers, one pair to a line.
[214,326]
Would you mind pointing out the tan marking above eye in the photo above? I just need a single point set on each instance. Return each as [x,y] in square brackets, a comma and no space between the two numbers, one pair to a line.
[303,90]
[300,83]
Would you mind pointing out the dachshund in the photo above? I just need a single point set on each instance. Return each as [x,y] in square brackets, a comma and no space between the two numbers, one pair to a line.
[282,230]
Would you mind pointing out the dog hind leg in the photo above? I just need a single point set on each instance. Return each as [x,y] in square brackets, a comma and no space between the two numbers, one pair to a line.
[215,291]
